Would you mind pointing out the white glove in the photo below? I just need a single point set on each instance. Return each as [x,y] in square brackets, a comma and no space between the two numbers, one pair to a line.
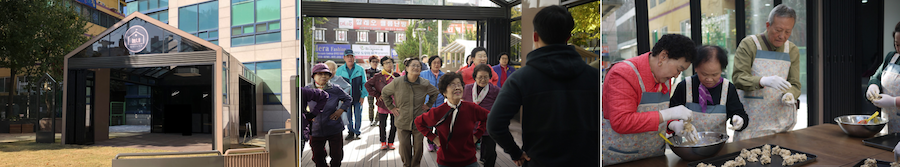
[788,98]
[775,82]
[678,112]
[677,126]
[736,122]
[886,101]
[873,91]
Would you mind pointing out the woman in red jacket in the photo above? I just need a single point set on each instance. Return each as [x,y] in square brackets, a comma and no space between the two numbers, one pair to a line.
[452,123]
[374,86]
[636,100]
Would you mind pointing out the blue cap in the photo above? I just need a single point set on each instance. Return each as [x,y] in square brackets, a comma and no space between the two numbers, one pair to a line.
[348,52]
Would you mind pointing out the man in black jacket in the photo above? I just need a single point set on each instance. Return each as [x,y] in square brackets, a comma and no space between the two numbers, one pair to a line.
[558,93]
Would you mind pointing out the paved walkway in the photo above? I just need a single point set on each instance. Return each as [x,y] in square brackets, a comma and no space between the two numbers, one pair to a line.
[366,153]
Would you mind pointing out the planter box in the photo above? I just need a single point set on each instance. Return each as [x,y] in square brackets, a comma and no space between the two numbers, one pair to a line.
[15,128]
[27,128]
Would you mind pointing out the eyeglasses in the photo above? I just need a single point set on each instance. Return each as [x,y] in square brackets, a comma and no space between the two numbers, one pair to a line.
[455,84]
[483,77]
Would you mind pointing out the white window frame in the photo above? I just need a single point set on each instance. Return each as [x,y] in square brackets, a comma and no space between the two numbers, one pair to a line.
[362,36]
[685,27]
[337,36]
[399,37]
[381,37]
[319,35]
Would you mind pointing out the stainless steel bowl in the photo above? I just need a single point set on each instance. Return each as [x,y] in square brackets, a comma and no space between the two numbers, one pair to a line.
[710,143]
[850,127]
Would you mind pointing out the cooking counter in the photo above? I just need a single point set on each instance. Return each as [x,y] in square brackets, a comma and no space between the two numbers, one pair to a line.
[827,141]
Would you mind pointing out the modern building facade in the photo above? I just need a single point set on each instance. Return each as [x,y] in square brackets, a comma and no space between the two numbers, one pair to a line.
[260,33]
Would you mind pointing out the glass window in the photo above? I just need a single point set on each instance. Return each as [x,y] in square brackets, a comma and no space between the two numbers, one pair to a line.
[401,36]
[320,35]
[667,15]
[268,38]
[132,7]
[262,15]
[381,37]
[275,26]
[798,37]
[267,10]
[164,3]
[340,35]
[143,5]
[242,13]
[757,13]
[187,18]
[363,36]
[270,72]
[214,34]
[209,15]
[164,16]
[619,34]
[153,4]
[718,27]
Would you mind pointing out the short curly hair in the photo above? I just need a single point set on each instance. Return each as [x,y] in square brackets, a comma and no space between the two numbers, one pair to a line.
[373,58]
[407,61]
[482,67]
[677,45]
[448,78]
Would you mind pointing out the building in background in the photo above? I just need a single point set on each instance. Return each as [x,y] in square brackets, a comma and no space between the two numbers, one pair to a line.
[260,33]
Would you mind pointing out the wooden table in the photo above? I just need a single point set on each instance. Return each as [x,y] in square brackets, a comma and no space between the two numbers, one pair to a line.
[832,146]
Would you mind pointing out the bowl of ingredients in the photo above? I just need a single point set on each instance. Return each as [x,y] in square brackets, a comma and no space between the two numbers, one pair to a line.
[859,126]
[706,145]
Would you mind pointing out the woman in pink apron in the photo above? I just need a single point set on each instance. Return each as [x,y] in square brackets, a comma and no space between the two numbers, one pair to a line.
[712,98]
[636,100]
[887,81]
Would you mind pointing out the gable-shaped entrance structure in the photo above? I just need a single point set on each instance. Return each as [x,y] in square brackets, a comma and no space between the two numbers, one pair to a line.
[189,85]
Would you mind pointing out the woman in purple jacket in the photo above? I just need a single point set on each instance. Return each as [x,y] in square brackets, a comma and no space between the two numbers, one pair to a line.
[310,95]
[503,69]
[327,125]
[483,93]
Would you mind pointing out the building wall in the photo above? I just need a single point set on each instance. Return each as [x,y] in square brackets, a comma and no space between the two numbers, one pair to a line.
[286,51]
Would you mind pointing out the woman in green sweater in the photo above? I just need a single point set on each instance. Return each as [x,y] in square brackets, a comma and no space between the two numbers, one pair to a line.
[884,86]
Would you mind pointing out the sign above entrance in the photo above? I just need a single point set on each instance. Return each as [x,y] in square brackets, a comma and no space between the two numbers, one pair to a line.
[373,24]
[136,38]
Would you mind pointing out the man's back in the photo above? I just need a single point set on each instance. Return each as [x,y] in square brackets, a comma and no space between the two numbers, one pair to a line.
[559,95]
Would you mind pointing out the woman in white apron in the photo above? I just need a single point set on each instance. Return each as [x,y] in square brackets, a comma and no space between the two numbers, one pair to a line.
[887,81]
[636,100]
[712,98]
[770,109]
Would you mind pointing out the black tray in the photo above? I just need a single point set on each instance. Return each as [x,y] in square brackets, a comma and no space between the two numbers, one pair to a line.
[878,163]
[886,142]
[776,160]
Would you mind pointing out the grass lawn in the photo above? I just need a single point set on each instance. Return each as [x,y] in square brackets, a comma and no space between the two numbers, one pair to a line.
[29,153]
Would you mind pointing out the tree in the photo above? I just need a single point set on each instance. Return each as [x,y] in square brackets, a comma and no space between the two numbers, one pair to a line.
[307,29]
[35,36]
[410,47]
[587,23]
